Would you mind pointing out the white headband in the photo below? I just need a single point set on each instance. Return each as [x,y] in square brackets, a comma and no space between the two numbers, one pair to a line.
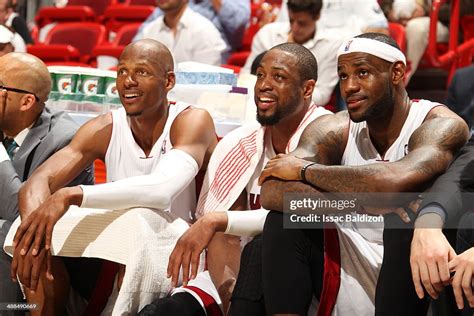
[372,47]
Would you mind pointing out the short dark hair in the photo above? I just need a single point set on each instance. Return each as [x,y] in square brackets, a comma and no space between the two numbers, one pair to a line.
[313,7]
[256,63]
[381,38]
[307,64]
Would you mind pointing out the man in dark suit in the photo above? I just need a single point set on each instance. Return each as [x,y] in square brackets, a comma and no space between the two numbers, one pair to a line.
[461,93]
[432,257]
[30,133]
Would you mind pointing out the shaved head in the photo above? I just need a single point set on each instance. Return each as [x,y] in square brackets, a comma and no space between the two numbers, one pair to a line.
[152,51]
[29,73]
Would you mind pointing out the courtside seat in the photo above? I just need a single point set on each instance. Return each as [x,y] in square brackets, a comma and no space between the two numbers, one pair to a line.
[98,6]
[54,52]
[47,15]
[83,35]
[117,16]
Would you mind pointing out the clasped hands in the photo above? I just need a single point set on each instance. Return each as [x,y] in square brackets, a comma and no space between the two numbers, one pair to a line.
[32,241]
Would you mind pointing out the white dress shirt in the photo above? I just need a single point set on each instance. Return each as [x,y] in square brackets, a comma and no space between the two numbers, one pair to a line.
[323,45]
[196,39]
[18,139]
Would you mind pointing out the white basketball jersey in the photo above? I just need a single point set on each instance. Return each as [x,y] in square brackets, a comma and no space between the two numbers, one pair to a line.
[360,150]
[124,158]
[361,248]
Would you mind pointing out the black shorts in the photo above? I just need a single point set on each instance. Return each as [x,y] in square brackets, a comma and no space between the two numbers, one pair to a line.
[83,274]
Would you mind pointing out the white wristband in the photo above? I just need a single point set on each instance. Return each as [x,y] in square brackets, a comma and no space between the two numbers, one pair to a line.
[246,223]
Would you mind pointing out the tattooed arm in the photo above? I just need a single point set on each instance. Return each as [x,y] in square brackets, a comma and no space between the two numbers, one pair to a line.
[323,141]
[431,149]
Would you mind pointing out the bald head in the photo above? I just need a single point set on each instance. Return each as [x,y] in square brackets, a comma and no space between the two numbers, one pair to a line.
[153,51]
[27,72]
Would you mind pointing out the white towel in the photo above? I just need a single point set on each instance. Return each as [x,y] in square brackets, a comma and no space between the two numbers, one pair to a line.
[234,160]
[140,238]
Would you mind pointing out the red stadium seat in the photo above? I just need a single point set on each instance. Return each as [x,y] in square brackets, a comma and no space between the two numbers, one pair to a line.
[397,32]
[238,58]
[50,53]
[141,2]
[115,48]
[119,15]
[99,171]
[83,36]
[67,63]
[455,55]
[235,68]
[467,25]
[248,36]
[47,15]
[98,6]
[126,34]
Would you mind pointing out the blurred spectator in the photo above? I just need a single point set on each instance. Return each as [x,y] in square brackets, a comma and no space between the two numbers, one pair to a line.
[10,41]
[188,35]
[349,18]
[414,15]
[230,17]
[302,29]
[13,20]
[418,24]
[461,94]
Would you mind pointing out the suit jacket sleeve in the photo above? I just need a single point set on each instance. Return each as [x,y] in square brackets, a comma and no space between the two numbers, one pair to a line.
[10,184]
[449,190]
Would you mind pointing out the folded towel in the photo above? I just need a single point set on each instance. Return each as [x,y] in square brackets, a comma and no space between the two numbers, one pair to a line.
[234,160]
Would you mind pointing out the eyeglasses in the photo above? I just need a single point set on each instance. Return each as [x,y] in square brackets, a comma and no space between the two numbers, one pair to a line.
[19,91]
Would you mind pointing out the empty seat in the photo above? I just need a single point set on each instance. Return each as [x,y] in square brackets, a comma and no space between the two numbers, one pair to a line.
[119,15]
[397,32]
[47,15]
[141,2]
[54,52]
[82,37]
[124,37]
[98,6]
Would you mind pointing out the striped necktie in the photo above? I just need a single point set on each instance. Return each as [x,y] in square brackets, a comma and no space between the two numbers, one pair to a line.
[11,146]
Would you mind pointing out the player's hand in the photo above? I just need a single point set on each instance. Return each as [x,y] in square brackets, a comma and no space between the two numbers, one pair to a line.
[400,211]
[462,283]
[284,167]
[186,254]
[429,256]
[37,229]
[28,268]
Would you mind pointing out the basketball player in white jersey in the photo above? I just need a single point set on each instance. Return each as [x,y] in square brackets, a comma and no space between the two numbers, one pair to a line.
[385,142]
[286,76]
[152,148]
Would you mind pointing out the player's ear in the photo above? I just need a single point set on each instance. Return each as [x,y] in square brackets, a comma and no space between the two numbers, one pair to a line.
[170,80]
[308,88]
[398,72]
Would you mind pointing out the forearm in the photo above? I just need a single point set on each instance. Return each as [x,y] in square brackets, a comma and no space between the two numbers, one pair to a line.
[32,194]
[369,178]
[174,173]
[273,192]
